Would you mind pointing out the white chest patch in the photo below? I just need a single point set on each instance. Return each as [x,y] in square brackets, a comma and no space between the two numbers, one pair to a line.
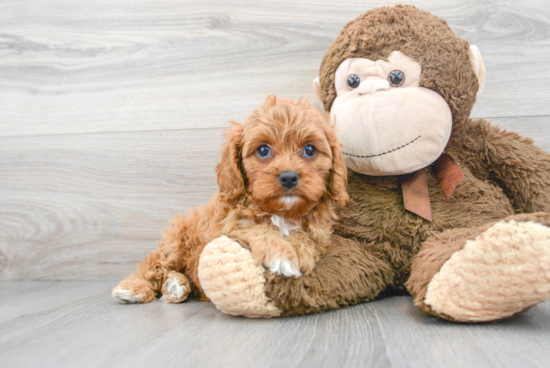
[289,201]
[285,227]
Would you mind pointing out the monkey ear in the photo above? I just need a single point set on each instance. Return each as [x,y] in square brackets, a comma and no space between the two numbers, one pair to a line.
[478,66]
[317,89]
[229,172]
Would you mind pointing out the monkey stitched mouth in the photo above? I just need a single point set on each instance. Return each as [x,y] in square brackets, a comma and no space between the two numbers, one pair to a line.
[383,153]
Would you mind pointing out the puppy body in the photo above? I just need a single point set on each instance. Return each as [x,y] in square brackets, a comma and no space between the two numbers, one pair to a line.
[280,177]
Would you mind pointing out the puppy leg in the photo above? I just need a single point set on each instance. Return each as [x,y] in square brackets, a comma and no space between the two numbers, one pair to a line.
[277,255]
[134,289]
[152,272]
[143,286]
[176,288]
[307,257]
[269,248]
[307,251]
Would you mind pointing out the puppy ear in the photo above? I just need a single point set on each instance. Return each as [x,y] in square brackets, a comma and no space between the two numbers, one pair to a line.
[229,171]
[338,177]
[269,102]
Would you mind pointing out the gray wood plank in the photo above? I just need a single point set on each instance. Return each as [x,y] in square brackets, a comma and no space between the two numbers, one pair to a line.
[19,300]
[74,66]
[91,206]
[95,331]
[412,337]
[318,340]
[86,328]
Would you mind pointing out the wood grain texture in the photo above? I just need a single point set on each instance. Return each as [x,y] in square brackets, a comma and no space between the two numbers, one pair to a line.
[411,337]
[75,66]
[91,206]
[77,324]
[111,112]
[111,115]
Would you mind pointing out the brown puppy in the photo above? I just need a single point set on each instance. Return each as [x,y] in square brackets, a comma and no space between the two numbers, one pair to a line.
[280,177]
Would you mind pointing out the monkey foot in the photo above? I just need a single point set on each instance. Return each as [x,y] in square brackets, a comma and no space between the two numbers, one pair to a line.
[502,272]
[233,281]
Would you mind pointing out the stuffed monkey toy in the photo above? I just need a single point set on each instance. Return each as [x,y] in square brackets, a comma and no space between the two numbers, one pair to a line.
[452,210]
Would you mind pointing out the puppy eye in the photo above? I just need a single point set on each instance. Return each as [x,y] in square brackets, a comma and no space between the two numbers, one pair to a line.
[353,81]
[396,78]
[263,151]
[309,151]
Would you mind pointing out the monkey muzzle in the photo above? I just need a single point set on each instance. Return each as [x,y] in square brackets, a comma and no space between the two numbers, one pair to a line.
[391,131]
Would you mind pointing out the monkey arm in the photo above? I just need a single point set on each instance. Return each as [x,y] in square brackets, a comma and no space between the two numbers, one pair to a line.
[347,274]
[521,169]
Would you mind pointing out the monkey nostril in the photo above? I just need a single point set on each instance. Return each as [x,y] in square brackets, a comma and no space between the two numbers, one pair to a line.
[289,179]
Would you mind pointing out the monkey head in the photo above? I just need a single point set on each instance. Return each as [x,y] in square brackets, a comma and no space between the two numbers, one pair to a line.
[395,81]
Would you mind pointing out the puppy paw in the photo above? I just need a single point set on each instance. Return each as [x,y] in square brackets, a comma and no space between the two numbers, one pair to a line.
[176,288]
[279,258]
[282,266]
[307,263]
[133,290]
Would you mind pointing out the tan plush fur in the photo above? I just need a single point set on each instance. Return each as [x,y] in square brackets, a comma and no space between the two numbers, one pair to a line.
[249,197]
[391,251]
[224,259]
[510,259]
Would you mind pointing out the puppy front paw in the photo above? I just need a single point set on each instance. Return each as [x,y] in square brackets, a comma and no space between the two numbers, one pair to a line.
[282,266]
[307,262]
[278,257]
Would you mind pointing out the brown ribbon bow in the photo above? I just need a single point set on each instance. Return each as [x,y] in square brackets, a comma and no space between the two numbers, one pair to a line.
[416,195]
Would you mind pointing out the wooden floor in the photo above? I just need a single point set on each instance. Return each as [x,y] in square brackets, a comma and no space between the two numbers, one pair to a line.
[111,115]
[77,324]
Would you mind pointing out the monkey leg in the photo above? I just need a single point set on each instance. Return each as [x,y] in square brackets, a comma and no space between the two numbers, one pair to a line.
[486,273]
[347,274]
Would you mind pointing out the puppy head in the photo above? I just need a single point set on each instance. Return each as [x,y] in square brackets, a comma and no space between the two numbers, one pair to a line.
[285,157]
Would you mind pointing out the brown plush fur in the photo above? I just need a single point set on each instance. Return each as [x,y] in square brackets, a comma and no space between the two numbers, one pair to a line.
[249,194]
[504,175]
[418,34]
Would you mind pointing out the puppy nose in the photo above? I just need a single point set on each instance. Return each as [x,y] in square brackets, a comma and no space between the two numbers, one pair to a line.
[289,179]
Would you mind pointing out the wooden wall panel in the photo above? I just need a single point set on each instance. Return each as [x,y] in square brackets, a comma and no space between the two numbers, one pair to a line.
[111,112]
[78,66]
[92,205]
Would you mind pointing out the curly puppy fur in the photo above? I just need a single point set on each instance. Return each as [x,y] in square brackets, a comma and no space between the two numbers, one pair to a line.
[285,228]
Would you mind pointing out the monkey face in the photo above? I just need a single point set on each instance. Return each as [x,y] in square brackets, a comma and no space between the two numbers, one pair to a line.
[388,124]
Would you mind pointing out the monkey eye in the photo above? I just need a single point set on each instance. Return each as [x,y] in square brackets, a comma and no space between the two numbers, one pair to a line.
[396,78]
[263,151]
[309,151]
[353,81]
